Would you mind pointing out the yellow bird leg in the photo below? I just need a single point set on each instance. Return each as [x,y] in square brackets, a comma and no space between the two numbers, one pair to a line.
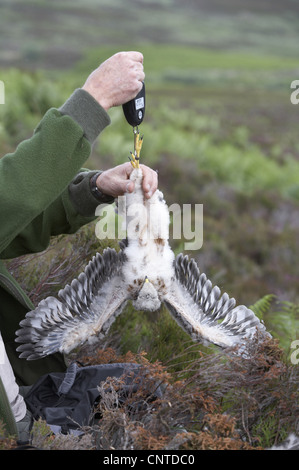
[135,157]
[137,146]
[132,160]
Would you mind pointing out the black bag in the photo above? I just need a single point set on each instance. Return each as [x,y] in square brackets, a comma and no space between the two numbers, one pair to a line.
[66,400]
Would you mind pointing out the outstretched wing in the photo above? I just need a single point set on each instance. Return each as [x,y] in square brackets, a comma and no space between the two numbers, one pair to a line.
[201,310]
[84,309]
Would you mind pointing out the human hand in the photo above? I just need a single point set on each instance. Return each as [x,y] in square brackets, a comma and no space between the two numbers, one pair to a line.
[116,181]
[117,80]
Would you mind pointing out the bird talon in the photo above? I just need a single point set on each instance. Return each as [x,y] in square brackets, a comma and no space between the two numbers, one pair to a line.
[138,140]
[133,161]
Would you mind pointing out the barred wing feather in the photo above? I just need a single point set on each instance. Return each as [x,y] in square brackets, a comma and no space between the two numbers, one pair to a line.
[205,314]
[83,309]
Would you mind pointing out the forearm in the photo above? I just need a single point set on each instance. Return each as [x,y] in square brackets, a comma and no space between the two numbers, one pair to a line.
[40,170]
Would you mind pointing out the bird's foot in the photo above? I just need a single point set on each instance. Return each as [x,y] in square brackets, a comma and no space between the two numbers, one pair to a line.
[138,140]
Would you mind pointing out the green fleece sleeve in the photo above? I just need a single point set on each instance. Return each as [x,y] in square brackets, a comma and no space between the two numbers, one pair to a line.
[34,180]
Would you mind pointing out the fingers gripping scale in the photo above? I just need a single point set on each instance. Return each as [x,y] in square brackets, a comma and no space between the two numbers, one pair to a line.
[134,110]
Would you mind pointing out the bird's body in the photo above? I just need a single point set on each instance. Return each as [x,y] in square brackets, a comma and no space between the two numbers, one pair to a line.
[145,272]
[148,269]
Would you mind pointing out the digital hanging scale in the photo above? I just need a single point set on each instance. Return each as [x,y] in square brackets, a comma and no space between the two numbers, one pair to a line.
[134,110]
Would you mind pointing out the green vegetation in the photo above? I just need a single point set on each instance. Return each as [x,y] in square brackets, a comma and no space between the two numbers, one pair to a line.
[221,131]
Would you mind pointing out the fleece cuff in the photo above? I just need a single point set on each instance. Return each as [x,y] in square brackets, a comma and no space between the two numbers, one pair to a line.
[81,196]
[87,112]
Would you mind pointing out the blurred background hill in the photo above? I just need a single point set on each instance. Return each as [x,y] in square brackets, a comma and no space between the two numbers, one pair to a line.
[39,33]
[219,124]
